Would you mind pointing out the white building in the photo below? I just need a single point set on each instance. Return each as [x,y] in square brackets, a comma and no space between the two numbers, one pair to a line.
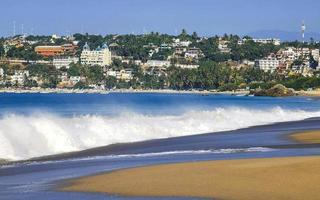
[1,72]
[64,77]
[19,76]
[178,43]
[101,56]
[269,64]
[193,53]
[315,54]
[125,75]
[64,62]
[274,41]
[223,46]
[158,63]
[112,73]
[75,79]
[187,66]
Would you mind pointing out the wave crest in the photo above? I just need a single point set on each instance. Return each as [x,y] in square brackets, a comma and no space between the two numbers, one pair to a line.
[23,137]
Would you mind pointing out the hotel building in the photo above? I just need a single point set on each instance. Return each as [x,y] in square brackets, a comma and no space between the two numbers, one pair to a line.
[269,64]
[101,56]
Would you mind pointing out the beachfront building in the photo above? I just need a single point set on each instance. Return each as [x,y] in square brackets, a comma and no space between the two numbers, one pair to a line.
[75,79]
[19,76]
[64,62]
[124,74]
[269,64]
[100,56]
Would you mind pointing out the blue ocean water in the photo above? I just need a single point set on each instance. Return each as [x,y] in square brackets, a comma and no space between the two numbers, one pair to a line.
[146,103]
[34,125]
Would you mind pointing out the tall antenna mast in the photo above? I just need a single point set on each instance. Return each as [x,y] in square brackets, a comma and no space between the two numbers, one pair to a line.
[22,29]
[14,28]
[303,30]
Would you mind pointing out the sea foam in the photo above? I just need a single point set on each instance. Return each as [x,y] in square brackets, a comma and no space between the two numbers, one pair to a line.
[27,136]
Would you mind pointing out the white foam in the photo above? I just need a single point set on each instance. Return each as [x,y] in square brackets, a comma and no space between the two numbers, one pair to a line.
[23,137]
[152,154]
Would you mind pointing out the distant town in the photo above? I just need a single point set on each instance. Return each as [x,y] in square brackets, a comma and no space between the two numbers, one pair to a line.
[157,61]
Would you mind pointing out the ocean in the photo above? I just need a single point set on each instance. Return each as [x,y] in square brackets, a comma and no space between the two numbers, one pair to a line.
[123,130]
[33,125]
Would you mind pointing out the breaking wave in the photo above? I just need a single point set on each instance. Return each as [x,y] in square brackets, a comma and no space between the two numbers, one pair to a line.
[23,137]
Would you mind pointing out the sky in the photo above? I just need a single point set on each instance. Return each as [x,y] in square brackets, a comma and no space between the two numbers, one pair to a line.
[206,17]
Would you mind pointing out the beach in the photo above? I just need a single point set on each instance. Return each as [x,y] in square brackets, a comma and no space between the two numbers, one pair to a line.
[268,178]
[265,178]
[309,137]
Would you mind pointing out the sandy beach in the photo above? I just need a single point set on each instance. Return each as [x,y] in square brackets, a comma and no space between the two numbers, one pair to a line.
[264,178]
[313,93]
[309,137]
[269,178]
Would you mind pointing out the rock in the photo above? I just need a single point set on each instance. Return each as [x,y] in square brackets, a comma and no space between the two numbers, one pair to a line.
[278,90]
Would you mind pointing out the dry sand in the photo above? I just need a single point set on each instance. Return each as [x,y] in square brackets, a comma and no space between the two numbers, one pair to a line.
[269,178]
[309,137]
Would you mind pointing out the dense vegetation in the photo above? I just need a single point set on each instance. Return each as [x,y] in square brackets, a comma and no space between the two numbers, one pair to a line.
[214,72]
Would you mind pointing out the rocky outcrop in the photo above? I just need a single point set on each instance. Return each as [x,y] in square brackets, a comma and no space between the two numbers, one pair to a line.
[276,91]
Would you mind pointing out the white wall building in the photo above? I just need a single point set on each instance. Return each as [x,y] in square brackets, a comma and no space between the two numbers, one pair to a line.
[274,41]
[64,62]
[178,43]
[101,56]
[267,64]
[19,76]
[158,63]
[315,54]
[193,53]
[187,66]
[125,74]
[1,72]
[75,79]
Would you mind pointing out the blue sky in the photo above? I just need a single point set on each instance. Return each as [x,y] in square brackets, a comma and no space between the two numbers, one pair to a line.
[207,17]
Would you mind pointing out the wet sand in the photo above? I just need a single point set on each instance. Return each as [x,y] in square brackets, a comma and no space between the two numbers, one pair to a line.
[268,178]
[309,137]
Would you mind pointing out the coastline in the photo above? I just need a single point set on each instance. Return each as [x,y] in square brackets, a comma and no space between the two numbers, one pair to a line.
[267,178]
[315,93]
[100,91]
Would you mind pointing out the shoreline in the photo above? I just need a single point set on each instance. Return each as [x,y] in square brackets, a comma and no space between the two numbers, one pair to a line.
[125,148]
[315,93]
[266,178]
[100,91]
